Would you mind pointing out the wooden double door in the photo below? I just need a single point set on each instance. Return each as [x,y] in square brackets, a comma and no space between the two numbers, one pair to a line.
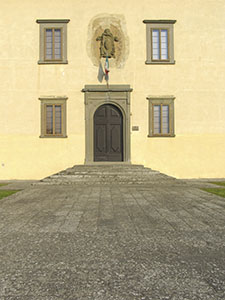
[108,134]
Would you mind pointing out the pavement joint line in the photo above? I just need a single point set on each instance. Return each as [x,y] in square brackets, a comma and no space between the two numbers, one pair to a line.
[118,244]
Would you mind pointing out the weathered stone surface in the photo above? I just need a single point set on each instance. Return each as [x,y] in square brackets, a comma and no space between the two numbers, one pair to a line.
[112,242]
[109,175]
[117,25]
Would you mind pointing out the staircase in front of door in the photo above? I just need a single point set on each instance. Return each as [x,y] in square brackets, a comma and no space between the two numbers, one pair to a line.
[109,175]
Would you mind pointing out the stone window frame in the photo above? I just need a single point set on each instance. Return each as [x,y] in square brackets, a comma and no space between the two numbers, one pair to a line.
[161,100]
[53,24]
[53,100]
[159,24]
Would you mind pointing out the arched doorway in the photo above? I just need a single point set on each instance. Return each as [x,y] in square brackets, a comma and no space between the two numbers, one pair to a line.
[108,133]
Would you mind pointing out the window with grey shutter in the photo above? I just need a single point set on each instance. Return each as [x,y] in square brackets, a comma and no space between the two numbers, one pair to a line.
[53,41]
[160,41]
[53,117]
[161,116]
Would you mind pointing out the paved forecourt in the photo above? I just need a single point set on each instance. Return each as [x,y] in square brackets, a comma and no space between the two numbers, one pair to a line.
[161,239]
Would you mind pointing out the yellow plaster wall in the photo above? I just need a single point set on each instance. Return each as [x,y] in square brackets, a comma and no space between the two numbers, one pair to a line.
[28,157]
[196,80]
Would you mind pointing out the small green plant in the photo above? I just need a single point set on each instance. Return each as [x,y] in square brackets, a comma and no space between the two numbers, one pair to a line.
[217,191]
[221,183]
[3,184]
[6,193]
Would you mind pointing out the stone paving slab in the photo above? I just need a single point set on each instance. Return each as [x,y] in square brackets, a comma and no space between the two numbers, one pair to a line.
[17,184]
[112,243]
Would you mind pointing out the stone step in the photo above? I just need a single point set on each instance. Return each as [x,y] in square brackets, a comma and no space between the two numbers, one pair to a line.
[105,165]
[99,179]
[107,183]
[107,174]
[103,170]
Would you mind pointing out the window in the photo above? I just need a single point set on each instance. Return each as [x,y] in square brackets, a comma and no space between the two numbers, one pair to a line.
[53,41]
[161,116]
[53,44]
[53,116]
[159,35]
[159,44]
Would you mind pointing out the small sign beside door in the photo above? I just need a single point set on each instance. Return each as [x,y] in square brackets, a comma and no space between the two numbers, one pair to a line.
[135,128]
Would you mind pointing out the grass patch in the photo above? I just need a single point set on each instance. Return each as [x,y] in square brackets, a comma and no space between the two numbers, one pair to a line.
[2,184]
[219,192]
[221,183]
[6,193]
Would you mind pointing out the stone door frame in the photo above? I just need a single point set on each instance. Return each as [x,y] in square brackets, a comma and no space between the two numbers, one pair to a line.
[94,97]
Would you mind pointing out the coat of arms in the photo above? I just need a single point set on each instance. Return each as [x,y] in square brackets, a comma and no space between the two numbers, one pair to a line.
[107,48]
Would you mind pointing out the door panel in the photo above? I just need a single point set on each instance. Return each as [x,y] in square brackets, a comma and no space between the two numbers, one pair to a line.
[108,134]
[101,131]
[115,138]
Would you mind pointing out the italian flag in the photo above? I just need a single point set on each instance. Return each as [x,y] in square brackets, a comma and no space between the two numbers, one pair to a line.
[107,69]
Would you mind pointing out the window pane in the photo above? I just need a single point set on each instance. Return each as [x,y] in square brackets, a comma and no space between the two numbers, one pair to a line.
[57,51]
[156,119]
[49,39]
[57,33]
[164,44]
[165,119]
[49,119]
[57,43]
[48,51]
[48,44]
[58,119]
[48,55]
[48,32]
[155,44]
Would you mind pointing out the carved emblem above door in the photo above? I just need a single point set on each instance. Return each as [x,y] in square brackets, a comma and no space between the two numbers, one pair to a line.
[107,48]
[110,30]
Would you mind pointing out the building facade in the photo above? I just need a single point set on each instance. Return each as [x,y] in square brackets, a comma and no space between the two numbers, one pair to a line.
[163,105]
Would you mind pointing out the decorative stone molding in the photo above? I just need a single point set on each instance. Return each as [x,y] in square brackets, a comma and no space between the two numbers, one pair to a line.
[160,100]
[159,21]
[97,95]
[45,100]
[117,26]
[53,21]
[166,25]
[59,24]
